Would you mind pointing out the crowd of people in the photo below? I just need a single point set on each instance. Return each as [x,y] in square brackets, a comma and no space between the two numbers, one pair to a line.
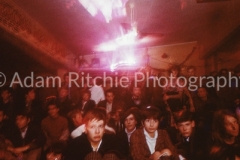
[120,123]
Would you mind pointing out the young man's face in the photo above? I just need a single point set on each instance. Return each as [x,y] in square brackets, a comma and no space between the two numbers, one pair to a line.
[202,92]
[151,125]
[86,97]
[186,128]
[130,123]
[231,126]
[191,72]
[63,93]
[136,92]
[5,95]
[109,97]
[53,111]
[22,121]
[95,130]
[31,95]
[77,120]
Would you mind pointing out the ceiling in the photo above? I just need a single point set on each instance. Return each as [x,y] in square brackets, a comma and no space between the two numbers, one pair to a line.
[166,22]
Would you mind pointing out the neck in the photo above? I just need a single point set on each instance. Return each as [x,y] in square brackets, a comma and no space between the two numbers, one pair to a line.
[229,140]
[23,129]
[130,130]
[152,135]
[95,145]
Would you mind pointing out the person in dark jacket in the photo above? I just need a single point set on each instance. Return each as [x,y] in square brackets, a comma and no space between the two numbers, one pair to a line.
[27,139]
[94,139]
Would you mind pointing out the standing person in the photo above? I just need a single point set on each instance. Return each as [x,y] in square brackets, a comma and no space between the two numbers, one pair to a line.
[149,142]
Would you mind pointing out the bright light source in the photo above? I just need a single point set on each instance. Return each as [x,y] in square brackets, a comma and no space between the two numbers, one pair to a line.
[107,8]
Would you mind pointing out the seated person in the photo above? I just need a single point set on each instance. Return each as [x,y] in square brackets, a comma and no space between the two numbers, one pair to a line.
[110,103]
[86,103]
[150,142]
[27,139]
[63,102]
[54,125]
[75,119]
[190,141]
[131,120]
[94,139]
[56,151]
[5,123]
[81,129]
[225,134]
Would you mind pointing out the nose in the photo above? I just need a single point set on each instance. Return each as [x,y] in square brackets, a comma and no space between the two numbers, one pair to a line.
[97,130]
[151,123]
[184,128]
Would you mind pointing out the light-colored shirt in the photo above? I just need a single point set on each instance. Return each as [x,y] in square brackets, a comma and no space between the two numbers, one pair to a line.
[24,133]
[109,107]
[151,142]
[129,134]
[97,93]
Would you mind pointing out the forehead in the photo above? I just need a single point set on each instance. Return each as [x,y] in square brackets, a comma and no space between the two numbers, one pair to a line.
[130,116]
[228,119]
[95,122]
[21,117]
[184,123]
[109,94]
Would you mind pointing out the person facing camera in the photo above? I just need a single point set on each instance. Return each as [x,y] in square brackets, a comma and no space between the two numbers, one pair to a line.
[149,142]
[93,140]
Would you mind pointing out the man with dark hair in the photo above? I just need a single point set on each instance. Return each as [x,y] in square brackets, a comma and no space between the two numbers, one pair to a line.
[150,142]
[110,103]
[86,103]
[131,120]
[54,125]
[189,141]
[27,139]
[94,139]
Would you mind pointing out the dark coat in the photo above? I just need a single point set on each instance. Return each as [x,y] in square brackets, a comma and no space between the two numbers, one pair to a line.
[34,137]
[80,147]
[90,104]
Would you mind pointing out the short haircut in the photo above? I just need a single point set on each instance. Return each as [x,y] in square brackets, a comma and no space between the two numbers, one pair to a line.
[183,116]
[218,125]
[109,91]
[135,112]
[97,114]
[22,113]
[51,102]
[86,91]
[73,113]
[150,111]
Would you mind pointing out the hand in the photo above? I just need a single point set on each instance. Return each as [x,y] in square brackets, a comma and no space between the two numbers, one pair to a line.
[166,152]
[155,155]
